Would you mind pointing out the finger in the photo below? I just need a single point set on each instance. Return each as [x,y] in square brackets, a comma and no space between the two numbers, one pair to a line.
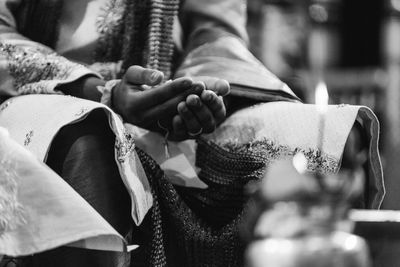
[215,104]
[219,86]
[222,87]
[198,87]
[156,96]
[202,113]
[179,129]
[138,75]
[162,111]
[189,119]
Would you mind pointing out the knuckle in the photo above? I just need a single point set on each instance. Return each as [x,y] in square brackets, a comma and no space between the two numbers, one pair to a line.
[135,68]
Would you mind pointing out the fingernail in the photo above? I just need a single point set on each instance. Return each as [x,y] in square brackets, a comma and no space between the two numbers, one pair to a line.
[154,76]
[199,87]
[181,107]
[196,101]
[187,82]
[207,96]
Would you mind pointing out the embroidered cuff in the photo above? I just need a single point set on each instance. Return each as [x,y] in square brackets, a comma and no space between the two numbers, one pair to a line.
[106,92]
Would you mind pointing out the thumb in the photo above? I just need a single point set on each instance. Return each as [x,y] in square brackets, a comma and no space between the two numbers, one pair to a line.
[137,75]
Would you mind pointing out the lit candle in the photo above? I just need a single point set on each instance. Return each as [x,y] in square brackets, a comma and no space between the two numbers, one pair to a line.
[321,102]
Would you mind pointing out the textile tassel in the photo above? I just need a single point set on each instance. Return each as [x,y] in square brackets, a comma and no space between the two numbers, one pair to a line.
[166,147]
[165,143]
[136,20]
[160,44]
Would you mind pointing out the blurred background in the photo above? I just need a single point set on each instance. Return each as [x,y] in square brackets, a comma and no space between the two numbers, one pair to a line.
[352,45]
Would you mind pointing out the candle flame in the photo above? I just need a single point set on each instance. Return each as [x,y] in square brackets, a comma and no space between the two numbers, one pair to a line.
[321,97]
[300,162]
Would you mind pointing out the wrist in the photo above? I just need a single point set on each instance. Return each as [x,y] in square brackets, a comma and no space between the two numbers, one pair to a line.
[85,87]
[106,91]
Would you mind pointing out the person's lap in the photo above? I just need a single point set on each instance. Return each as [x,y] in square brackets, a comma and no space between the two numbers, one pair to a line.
[83,155]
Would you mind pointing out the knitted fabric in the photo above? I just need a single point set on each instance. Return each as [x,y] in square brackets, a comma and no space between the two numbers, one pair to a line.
[148,31]
[143,36]
[201,227]
[195,227]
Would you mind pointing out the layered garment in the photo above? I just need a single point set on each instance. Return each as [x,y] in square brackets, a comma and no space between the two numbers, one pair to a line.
[45,44]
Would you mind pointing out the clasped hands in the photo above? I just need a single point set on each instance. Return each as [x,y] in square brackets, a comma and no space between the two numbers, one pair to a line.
[184,107]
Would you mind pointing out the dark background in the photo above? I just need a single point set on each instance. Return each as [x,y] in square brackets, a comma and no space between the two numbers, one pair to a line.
[361,32]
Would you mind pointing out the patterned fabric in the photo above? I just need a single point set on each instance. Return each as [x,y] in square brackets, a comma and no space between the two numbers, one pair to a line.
[148,34]
[12,212]
[146,27]
[205,224]
[110,26]
[107,70]
[177,229]
[269,150]
[32,68]
[142,32]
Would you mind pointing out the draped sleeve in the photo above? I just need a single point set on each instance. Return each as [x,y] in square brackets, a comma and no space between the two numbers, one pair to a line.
[216,45]
[28,67]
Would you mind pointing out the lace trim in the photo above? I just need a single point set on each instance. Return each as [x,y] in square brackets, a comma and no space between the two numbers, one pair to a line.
[30,67]
[12,213]
[124,147]
[41,87]
[317,161]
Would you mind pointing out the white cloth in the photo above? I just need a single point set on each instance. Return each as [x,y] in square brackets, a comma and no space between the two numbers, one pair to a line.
[34,120]
[40,211]
[293,125]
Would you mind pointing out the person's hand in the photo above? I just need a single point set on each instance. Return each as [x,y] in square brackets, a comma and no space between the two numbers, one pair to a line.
[219,86]
[142,100]
[201,113]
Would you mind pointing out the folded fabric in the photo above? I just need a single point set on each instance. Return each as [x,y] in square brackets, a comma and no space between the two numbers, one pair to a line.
[276,130]
[268,130]
[40,211]
[34,120]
